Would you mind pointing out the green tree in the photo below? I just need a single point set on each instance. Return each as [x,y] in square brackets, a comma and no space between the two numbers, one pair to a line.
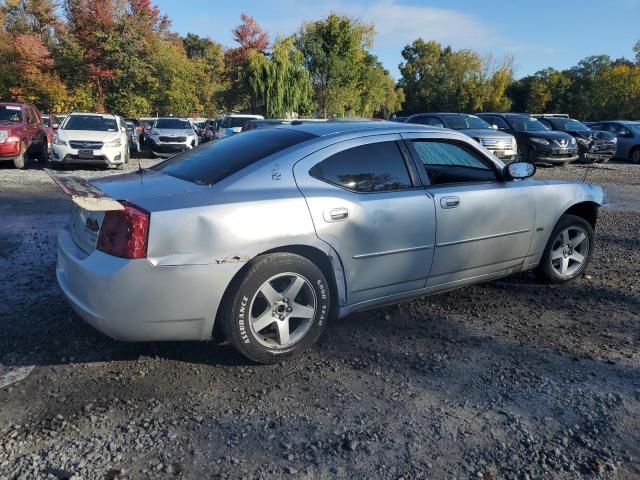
[439,78]
[335,53]
[279,84]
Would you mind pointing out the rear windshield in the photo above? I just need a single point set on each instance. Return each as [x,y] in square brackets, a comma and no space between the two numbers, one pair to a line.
[90,122]
[172,124]
[214,161]
[9,113]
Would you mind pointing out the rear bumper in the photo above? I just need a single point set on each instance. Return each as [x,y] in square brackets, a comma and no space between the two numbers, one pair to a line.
[133,300]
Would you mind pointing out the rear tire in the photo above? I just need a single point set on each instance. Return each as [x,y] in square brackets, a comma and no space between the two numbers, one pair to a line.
[568,251]
[277,309]
[21,160]
[43,156]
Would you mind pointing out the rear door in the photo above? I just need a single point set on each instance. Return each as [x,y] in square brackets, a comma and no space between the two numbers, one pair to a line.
[485,224]
[365,201]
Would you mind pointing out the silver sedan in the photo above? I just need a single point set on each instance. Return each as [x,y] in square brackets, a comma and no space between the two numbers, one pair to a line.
[269,234]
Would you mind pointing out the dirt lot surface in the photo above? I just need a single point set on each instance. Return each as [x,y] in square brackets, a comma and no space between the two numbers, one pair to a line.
[512,379]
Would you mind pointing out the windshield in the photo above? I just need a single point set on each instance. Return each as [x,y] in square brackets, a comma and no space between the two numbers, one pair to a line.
[526,124]
[572,125]
[172,124]
[462,122]
[234,122]
[94,123]
[635,128]
[214,161]
[10,113]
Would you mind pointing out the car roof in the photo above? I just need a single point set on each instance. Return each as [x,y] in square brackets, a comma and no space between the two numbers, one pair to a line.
[505,114]
[91,114]
[321,129]
[15,104]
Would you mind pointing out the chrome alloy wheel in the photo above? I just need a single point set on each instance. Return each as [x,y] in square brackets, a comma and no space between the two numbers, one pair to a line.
[282,310]
[570,250]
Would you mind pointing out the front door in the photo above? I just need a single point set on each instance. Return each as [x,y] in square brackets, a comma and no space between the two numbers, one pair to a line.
[364,204]
[485,224]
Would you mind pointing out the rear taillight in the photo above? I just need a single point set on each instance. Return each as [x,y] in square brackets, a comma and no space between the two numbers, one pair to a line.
[124,233]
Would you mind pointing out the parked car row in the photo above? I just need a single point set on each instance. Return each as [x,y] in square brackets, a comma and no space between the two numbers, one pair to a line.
[542,138]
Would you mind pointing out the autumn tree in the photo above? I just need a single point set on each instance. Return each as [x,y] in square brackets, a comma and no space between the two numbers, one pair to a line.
[250,38]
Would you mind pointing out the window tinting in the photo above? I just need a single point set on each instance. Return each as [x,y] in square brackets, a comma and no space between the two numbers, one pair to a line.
[214,161]
[447,163]
[498,122]
[374,167]
[462,122]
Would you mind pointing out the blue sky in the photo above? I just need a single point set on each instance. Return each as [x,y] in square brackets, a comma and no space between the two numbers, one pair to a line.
[537,33]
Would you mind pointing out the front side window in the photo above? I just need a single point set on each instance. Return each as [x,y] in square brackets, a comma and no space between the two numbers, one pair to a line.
[447,163]
[376,167]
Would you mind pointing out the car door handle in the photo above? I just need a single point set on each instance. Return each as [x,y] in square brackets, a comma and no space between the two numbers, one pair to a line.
[450,202]
[337,214]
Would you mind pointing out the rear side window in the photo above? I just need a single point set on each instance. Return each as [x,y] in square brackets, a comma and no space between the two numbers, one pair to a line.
[374,167]
[214,161]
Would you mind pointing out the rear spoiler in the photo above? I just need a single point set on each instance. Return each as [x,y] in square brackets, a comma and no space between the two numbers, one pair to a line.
[83,193]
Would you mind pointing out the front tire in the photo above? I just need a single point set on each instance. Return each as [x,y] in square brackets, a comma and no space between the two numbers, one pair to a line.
[277,309]
[634,156]
[568,251]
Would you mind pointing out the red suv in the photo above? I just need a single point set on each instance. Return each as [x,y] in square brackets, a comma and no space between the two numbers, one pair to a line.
[22,134]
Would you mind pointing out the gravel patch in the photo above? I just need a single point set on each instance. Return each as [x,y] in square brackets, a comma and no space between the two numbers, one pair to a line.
[511,379]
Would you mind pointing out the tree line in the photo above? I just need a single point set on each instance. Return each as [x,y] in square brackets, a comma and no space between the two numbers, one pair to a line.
[121,56]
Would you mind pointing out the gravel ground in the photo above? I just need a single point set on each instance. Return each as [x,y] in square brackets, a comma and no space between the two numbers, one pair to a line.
[511,379]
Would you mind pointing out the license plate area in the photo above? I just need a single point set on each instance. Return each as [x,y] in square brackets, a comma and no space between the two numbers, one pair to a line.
[85,153]
[85,227]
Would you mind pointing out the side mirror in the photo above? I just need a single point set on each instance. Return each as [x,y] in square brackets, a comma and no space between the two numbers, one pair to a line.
[123,129]
[55,126]
[495,127]
[520,170]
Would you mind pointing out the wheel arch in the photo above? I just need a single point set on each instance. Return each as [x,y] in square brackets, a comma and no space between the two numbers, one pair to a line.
[328,261]
[587,210]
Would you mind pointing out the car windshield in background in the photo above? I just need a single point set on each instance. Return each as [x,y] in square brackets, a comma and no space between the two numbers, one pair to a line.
[90,122]
[212,162]
[234,122]
[172,124]
[526,124]
[572,125]
[46,122]
[635,128]
[462,122]
[9,113]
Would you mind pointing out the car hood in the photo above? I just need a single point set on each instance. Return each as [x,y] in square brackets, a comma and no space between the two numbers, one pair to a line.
[594,135]
[484,132]
[91,135]
[146,184]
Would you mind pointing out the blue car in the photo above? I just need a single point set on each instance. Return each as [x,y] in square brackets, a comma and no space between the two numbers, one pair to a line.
[628,133]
